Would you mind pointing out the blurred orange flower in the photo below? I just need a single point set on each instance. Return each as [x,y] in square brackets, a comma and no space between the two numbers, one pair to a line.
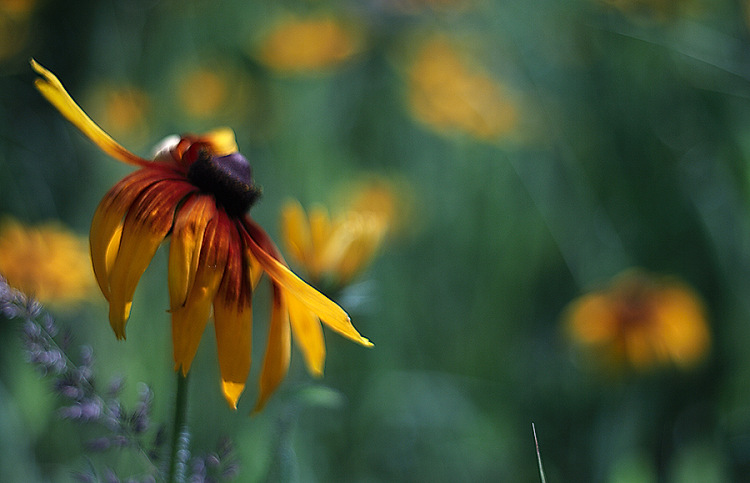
[336,249]
[123,110]
[212,88]
[446,93]
[298,45]
[47,261]
[641,321]
[16,26]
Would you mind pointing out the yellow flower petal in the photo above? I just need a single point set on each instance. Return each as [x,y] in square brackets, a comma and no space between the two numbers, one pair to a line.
[189,321]
[106,225]
[232,391]
[320,234]
[326,310]
[234,323]
[296,232]
[105,235]
[278,350]
[146,225]
[222,141]
[308,335]
[185,247]
[52,89]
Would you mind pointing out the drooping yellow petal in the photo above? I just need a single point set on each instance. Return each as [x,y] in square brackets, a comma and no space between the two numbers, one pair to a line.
[189,320]
[52,89]
[233,319]
[308,335]
[326,310]
[255,270]
[185,246]
[278,350]
[106,225]
[104,241]
[146,225]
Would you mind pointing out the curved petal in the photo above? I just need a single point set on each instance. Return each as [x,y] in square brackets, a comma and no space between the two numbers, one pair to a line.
[233,319]
[362,233]
[321,229]
[308,335]
[185,246]
[278,349]
[146,225]
[326,310]
[189,320]
[106,225]
[52,89]
[295,229]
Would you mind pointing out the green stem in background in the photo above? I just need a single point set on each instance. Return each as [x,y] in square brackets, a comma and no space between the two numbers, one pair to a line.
[180,435]
[538,455]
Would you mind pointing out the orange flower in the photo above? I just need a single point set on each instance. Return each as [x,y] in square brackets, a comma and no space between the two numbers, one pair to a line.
[311,44]
[641,321]
[197,191]
[448,95]
[46,261]
[122,109]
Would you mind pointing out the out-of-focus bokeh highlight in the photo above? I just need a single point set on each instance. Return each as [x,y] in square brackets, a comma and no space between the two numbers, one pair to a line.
[472,181]
[47,261]
[641,322]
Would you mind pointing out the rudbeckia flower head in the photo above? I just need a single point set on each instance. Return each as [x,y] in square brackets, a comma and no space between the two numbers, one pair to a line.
[197,191]
[641,321]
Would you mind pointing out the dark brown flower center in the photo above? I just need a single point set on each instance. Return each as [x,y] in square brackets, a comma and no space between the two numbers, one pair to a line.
[229,178]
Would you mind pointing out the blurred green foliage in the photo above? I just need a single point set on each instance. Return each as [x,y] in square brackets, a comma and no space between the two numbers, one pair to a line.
[630,149]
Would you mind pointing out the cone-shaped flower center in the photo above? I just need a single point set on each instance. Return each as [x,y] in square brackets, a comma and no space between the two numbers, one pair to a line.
[229,178]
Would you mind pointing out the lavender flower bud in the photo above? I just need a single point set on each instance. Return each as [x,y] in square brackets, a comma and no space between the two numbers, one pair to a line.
[213,461]
[91,410]
[70,412]
[110,476]
[99,444]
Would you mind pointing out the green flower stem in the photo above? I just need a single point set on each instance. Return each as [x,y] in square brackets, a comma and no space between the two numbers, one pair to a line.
[180,434]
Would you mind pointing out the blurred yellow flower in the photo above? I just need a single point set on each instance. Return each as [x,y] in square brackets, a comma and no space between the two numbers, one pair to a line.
[336,249]
[46,261]
[446,93]
[15,26]
[18,8]
[203,92]
[212,88]
[123,109]
[298,45]
[641,321]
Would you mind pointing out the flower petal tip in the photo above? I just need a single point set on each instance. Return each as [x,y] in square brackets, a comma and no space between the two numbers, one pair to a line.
[52,89]
[232,392]
[259,406]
